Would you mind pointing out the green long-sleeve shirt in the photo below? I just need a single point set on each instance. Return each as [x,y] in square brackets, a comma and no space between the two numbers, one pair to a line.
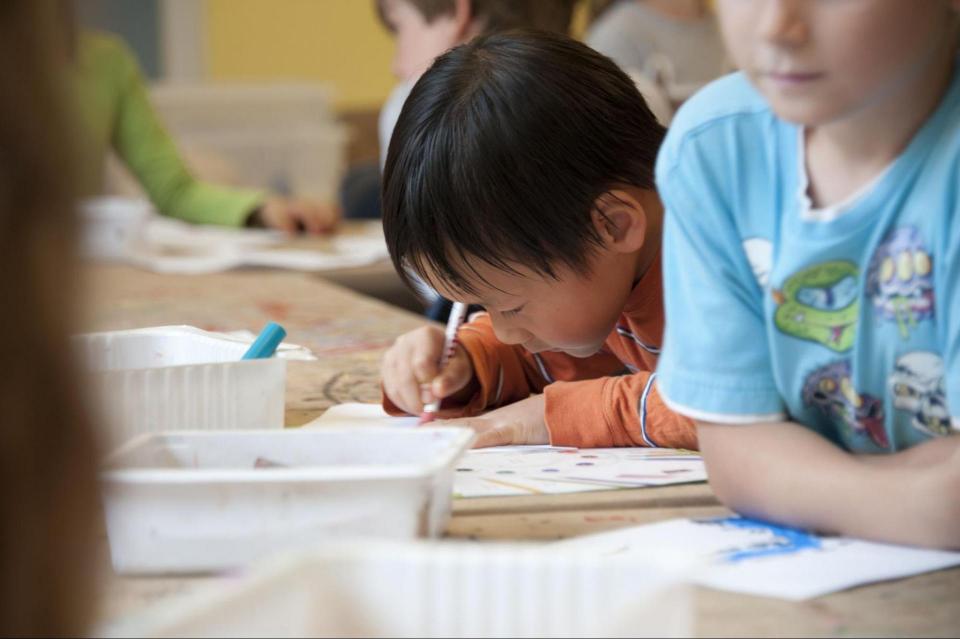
[116,113]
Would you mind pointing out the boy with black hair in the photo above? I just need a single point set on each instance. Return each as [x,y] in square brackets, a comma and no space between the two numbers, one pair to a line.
[520,178]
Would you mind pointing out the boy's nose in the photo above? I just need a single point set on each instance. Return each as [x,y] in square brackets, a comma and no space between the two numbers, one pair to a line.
[511,334]
[783,22]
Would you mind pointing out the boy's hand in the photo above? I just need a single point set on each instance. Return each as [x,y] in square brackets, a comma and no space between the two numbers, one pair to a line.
[292,215]
[518,423]
[410,370]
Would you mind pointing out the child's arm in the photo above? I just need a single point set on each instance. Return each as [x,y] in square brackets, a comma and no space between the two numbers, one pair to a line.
[786,473]
[484,373]
[598,413]
[615,411]
[143,143]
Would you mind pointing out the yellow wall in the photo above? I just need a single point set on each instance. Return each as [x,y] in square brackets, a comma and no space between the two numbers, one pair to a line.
[341,42]
[337,41]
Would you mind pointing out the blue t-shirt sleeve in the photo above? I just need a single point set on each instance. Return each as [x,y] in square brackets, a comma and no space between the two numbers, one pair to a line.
[948,301]
[716,362]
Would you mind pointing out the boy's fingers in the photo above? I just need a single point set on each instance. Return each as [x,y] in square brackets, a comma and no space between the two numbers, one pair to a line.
[400,387]
[409,394]
[453,377]
[496,436]
[424,368]
[488,432]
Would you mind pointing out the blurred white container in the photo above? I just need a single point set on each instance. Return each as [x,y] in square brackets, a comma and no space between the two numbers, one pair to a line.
[195,108]
[281,137]
[199,501]
[110,225]
[306,161]
[383,589]
[180,377]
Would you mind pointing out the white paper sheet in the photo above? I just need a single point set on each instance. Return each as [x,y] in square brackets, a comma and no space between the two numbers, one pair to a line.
[170,246]
[536,470]
[126,229]
[357,414]
[758,558]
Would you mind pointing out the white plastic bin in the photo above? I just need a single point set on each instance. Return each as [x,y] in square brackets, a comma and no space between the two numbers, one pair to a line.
[111,225]
[275,136]
[198,502]
[436,590]
[308,161]
[180,377]
[194,108]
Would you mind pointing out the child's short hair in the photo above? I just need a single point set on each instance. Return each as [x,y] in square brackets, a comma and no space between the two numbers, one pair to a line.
[500,15]
[501,151]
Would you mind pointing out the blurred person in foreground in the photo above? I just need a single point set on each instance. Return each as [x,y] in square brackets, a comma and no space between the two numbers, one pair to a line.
[48,490]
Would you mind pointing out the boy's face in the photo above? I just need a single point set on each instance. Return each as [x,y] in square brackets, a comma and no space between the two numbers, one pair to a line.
[418,42]
[574,314]
[816,61]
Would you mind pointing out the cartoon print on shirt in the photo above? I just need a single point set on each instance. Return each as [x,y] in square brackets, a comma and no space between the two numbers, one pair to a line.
[917,387]
[900,279]
[830,390]
[759,252]
[820,304]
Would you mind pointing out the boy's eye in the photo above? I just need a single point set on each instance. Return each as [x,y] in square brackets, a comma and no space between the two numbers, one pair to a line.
[512,311]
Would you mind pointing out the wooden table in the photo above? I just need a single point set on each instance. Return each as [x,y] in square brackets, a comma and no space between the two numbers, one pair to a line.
[349,332]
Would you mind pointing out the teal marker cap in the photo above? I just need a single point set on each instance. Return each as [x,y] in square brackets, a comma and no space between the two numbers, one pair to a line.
[266,342]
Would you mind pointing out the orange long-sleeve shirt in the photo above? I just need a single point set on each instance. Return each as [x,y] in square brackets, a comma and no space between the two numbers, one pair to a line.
[588,404]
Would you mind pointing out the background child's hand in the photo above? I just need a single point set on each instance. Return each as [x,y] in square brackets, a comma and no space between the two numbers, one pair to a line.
[410,370]
[292,215]
[518,423]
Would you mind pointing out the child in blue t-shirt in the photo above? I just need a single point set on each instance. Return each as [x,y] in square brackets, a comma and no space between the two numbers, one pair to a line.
[812,267]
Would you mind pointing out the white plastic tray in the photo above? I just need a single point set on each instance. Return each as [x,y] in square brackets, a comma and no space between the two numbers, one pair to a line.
[180,377]
[446,589]
[197,502]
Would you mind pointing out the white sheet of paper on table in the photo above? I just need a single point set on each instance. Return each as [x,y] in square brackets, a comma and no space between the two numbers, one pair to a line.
[758,558]
[536,470]
[128,230]
[171,246]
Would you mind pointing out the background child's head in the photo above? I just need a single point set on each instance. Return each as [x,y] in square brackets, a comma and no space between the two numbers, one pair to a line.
[517,164]
[426,28]
[818,61]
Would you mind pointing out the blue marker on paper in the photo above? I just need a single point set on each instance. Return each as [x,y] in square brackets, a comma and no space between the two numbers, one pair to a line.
[266,342]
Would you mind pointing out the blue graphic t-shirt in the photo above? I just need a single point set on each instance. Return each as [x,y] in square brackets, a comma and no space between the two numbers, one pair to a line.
[845,319]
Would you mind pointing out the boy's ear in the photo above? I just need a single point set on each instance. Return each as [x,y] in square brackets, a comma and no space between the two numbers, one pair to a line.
[620,218]
[463,19]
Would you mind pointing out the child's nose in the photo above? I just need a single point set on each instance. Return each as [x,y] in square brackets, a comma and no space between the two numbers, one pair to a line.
[511,334]
[783,22]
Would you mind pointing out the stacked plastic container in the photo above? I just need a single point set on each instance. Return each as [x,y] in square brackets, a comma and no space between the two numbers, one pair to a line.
[281,137]
[179,377]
